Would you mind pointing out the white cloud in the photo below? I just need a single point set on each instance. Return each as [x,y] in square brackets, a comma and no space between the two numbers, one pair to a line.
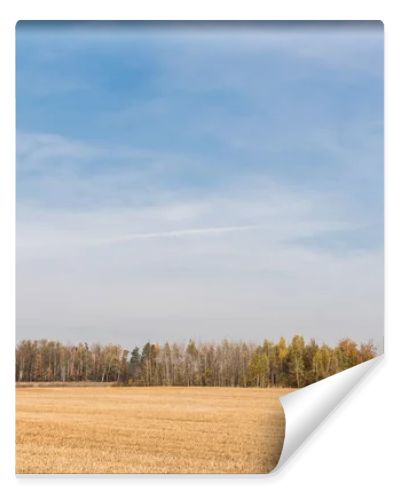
[181,263]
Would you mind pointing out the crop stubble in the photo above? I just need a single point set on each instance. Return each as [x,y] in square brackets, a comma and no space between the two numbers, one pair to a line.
[148,430]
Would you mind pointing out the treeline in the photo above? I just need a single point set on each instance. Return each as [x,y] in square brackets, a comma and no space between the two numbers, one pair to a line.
[236,364]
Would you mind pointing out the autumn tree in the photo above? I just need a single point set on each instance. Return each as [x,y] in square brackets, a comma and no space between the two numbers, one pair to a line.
[296,361]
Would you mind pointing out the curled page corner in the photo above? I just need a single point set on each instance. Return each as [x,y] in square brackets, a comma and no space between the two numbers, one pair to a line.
[306,408]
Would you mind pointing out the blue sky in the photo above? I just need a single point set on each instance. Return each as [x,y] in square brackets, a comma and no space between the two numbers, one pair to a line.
[199,180]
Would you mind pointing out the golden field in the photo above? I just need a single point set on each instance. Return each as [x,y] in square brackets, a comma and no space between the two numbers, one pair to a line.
[148,430]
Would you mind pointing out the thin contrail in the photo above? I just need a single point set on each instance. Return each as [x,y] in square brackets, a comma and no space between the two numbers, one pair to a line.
[176,233]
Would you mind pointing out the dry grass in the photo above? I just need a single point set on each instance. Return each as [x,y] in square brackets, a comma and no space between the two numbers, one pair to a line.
[148,430]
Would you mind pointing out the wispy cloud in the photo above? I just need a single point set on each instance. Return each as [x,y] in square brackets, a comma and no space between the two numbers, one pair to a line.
[154,198]
[177,233]
[83,203]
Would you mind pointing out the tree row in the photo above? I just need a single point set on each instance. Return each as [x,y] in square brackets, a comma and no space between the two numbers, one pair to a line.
[236,364]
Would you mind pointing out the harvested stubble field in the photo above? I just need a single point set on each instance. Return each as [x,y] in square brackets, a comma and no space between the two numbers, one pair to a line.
[148,430]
